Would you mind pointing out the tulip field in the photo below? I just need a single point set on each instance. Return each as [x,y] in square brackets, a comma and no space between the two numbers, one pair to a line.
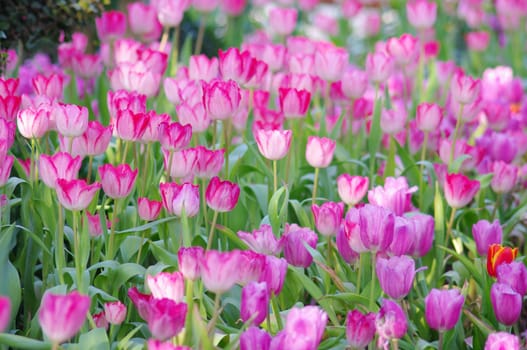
[343,174]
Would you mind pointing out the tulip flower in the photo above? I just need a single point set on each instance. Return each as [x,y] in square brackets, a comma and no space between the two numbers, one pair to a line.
[423,231]
[170,12]
[396,275]
[147,209]
[282,21]
[343,247]
[443,308]
[209,163]
[117,181]
[167,285]
[294,103]
[62,316]
[180,164]
[293,241]
[394,195]
[141,302]
[428,117]
[94,141]
[51,86]
[464,89]
[111,25]
[330,62]
[404,49]
[513,274]
[354,83]
[376,227]
[497,255]
[221,98]
[506,303]
[115,312]
[61,165]
[166,318]
[154,344]
[328,217]
[75,194]
[486,234]
[502,341]
[5,312]
[352,189]
[504,178]
[273,273]
[255,336]
[221,196]
[273,144]
[5,169]
[304,329]
[33,123]
[122,100]
[94,224]
[130,126]
[390,322]
[186,197]
[174,136]
[459,190]
[143,21]
[100,320]
[9,107]
[261,240]
[9,86]
[219,270]
[254,303]
[360,329]
[379,67]
[189,262]
[421,13]
[193,114]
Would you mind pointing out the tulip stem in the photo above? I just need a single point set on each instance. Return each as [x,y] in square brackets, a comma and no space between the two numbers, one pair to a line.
[275,177]
[77,252]
[55,346]
[164,39]
[330,262]
[90,165]
[359,273]
[372,301]
[189,295]
[169,168]
[496,205]
[185,227]
[201,34]
[125,152]
[109,252]
[440,341]
[204,201]
[212,227]
[59,253]
[143,237]
[175,50]
[390,163]
[459,122]
[449,225]
[216,315]
[395,344]
[315,183]
[276,311]
[421,178]
[146,167]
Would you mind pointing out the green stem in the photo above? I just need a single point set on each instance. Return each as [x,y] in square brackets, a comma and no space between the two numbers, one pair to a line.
[90,165]
[372,300]
[189,296]
[421,178]
[212,227]
[215,316]
[227,129]
[59,252]
[214,133]
[449,225]
[390,165]
[204,202]
[374,125]
[77,252]
[201,34]
[275,177]
[496,205]
[175,49]
[169,168]
[70,144]
[143,237]
[164,39]
[459,122]
[185,227]
[146,168]
[315,183]
[395,344]
[32,164]
[276,312]
[359,273]
[125,153]
[110,252]
[440,341]
[330,262]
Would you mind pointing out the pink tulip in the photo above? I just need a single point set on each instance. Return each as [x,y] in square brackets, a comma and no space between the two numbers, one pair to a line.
[5,169]
[304,329]
[294,103]
[130,126]
[261,240]
[443,308]
[319,151]
[393,121]
[61,165]
[360,328]
[428,117]
[477,41]
[62,316]
[94,141]
[233,7]
[301,63]
[183,163]
[33,123]
[219,270]
[124,100]
[421,13]
[293,241]
[154,344]
[141,302]
[147,209]
[460,190]
[237,65]
[205,5]
[87,66]
[100,320]
[330,62]
[396,275]
[167,285]
[343,247]
[464,89]
[255,336]
[273,273]
[352,189]
[505,177]
[273,144]
[111,25]
[405,49]
[352,232]
[154,60]
[143,21]
[390,322]
[9,87]
[514,275]
[379,67]
[189,262]
[502,341]
[166,318]
[75,194]
[117,181]
[9,107]
[200,67]
[328,217]
[282,21]
[254,303]
[94,224]
[209,163]
[186,197]
[71,120]
[170,12]
[221,98]
[251,267]
[395,195]
[423,232]
[498,115]
[115,312]
[174,136]
[222,196]
[193,114]
[51,86]
[5,312]
[136,77]
[152,132]
[376,227]
[354,83]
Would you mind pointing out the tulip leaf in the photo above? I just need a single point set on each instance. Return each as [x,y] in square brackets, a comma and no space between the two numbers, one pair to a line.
[469,265]
[96,339]
[277,210]
[147,226]
[124,273]
[18,342]
[162,254]
[301,216]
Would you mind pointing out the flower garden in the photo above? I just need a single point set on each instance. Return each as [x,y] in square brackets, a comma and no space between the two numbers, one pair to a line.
[338,175]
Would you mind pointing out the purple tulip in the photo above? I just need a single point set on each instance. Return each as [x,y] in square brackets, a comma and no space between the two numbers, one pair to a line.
[293,242]
[360,329]
[507,304]
[391,321]
[515,275]
[376,227]
[254,302]
[396,275]
[485,234]
[443,308]
[255,339]
[502,341]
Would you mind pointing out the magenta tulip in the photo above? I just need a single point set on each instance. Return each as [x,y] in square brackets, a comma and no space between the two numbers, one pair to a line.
[115,312]
[222,196]
[170,285]
[75,194]
[443,308]
[117,181]
[360,329]
[254,303]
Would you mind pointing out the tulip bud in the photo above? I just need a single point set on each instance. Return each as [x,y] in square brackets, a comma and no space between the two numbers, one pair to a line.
[502,341]
[352,189]
[360,328]
[167,285]
[319,151]
[396,275]
[390,322]
[293,242]
[459,190]
[222,196]
[254,302]
[115,312]
[485,234]
[189,261]
[506,303]
[443,308]
[328,217]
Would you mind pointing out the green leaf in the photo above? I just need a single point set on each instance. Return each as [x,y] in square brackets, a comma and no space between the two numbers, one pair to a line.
[18,342]
[147,226]
[469,265]
[96,339]
[124,273]
[276,211]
